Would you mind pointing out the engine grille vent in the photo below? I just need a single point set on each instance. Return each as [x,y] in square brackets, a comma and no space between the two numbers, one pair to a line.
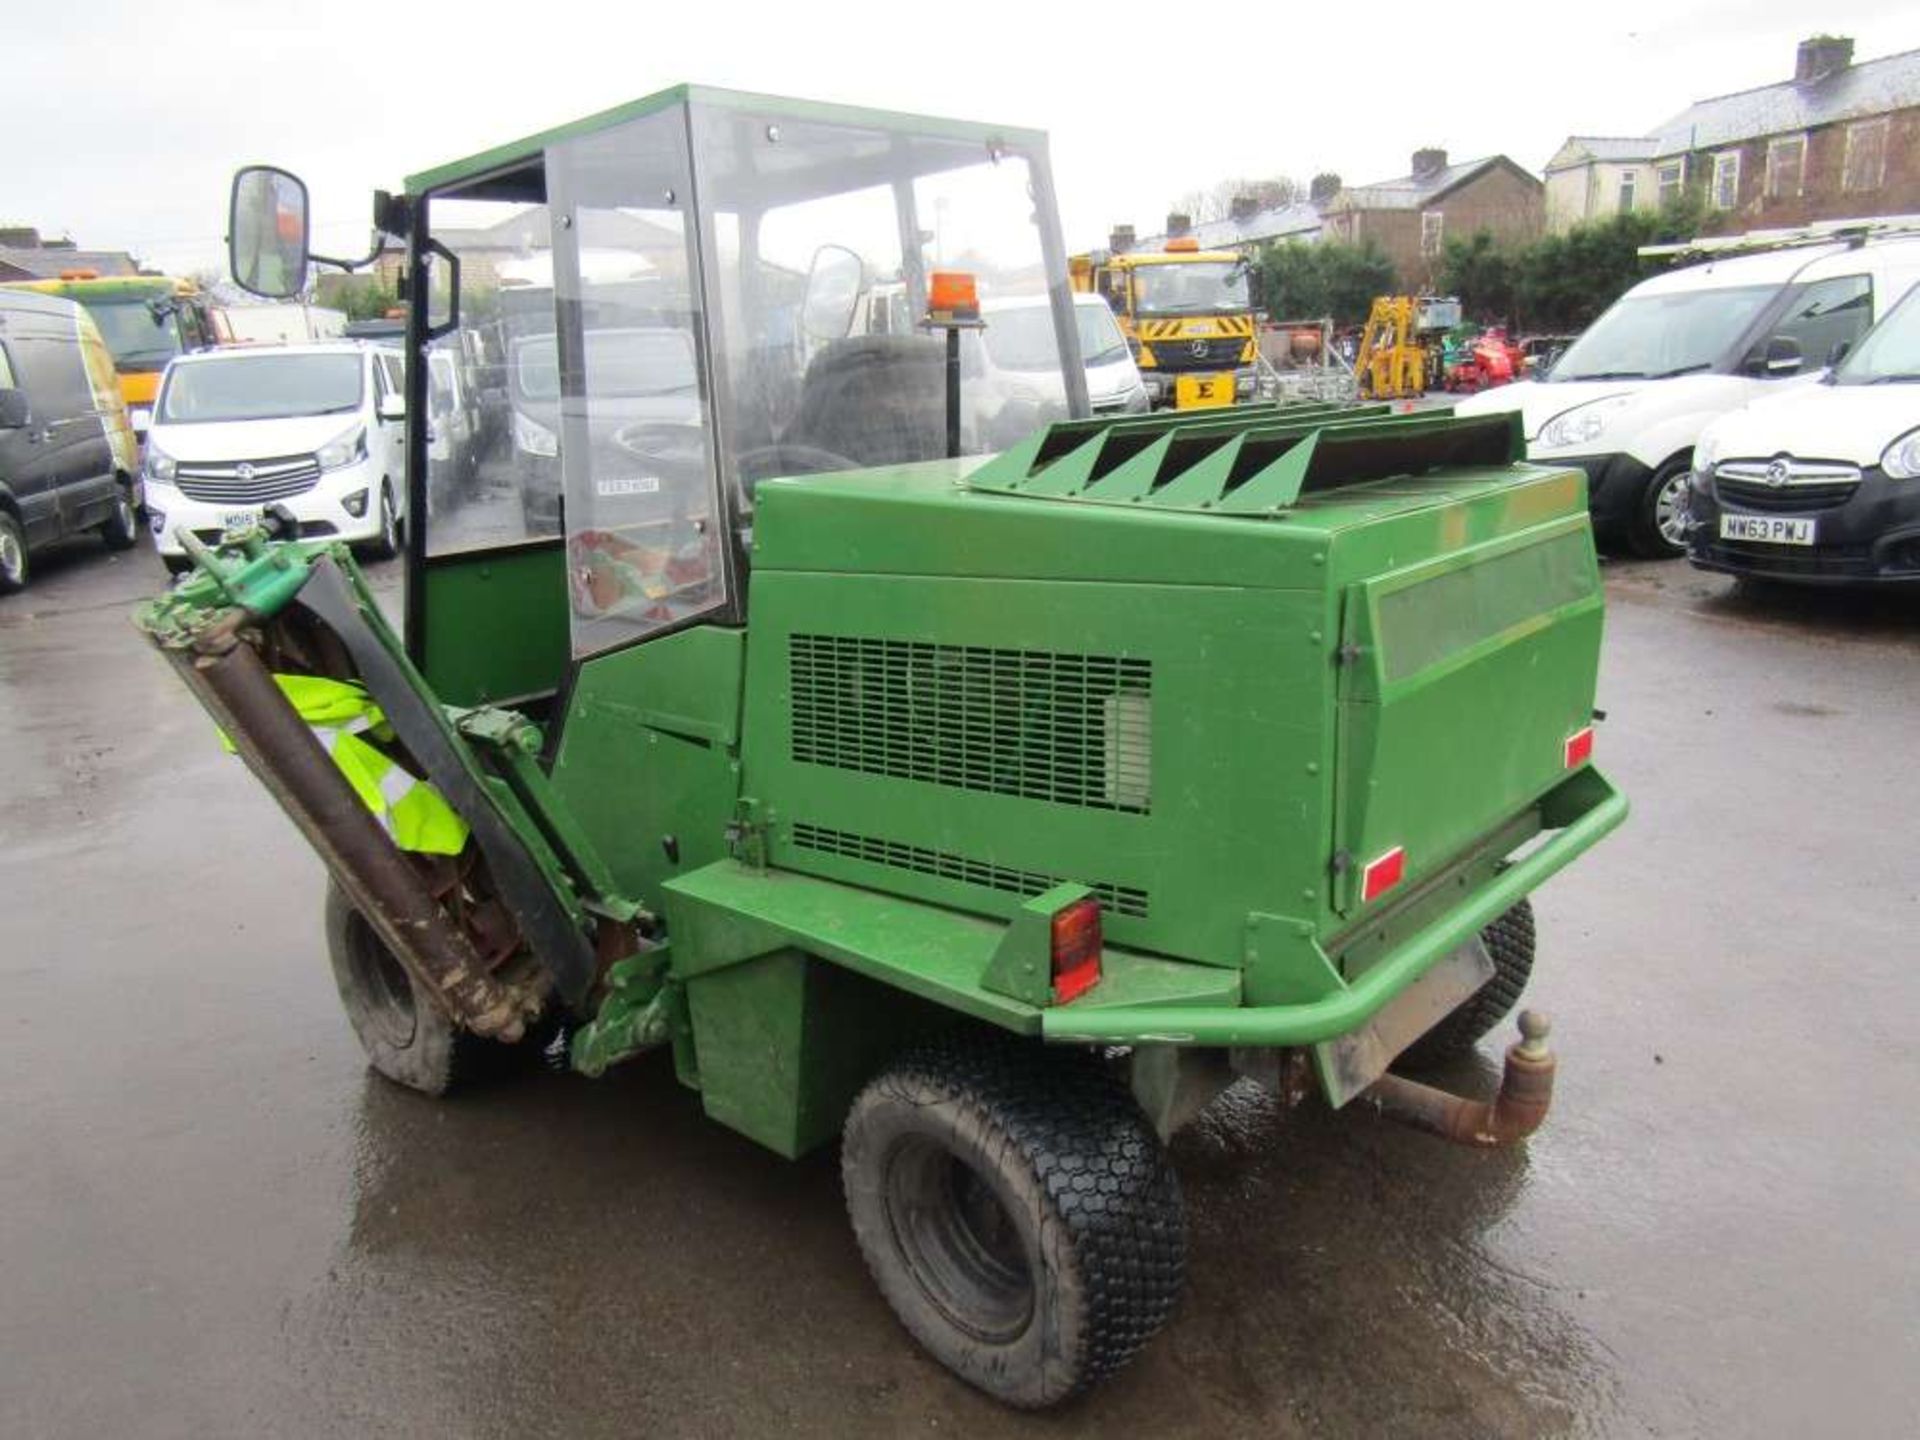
[1118,899]
[1069,729]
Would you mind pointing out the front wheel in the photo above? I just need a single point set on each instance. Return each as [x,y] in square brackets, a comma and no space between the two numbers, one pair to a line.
[386,544]
[1658,529]
[1016,1212]
[407,1037]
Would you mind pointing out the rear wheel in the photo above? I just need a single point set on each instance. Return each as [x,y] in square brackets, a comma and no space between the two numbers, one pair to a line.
[407,1037]
[122,527]
[1657,530]
[1510,941]
[1016,1212]
[13,555]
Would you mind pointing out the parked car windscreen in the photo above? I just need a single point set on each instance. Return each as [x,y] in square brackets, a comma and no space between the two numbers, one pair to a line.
[262,387]
[1022,338]
[1651,337]
[624,363]
[1891,351]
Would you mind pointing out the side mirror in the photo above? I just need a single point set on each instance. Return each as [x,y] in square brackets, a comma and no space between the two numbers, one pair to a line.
[392,407]
[834,282]
[267,232]
[14,411]
[1783,357]
[1841,349]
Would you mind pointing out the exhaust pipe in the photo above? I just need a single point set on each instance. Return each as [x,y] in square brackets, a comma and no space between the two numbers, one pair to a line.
[1525,1096]
[234,685]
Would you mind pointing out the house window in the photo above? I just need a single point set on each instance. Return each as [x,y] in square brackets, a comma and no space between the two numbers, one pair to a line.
[1671,177]
[1786,166]
[1866,162]
[1432,231]
[1726,180]
[1627,182]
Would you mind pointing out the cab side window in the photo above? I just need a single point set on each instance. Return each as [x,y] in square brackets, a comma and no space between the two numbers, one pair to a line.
[1828,313]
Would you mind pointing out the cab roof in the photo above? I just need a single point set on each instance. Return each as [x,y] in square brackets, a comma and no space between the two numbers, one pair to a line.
[518,152]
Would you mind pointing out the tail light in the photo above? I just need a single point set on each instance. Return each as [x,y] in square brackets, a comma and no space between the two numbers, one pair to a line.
[1076,950]
[1579,748]
[1382,874]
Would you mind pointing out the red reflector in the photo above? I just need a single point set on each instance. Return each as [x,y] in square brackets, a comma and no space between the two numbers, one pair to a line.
[1383,874]
[1579,747]
[1076,950]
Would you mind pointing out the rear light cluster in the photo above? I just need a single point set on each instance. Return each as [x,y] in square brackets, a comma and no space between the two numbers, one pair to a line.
[1383,873]
[1579,747]
[1076,950]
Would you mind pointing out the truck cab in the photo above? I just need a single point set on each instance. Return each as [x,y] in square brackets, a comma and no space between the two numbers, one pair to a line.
[1187,316]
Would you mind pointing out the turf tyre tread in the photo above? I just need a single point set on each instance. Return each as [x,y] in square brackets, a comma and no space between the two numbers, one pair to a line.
[1109,1226]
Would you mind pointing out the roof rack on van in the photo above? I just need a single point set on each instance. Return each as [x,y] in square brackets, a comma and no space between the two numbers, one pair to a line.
[1819,232]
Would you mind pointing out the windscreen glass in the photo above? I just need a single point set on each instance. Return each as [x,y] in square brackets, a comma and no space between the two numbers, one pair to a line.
[262,387]
[618,383]
[1891,352]
[1190,287]
[493,461]
[1652,337]
[139,338]
[823,236]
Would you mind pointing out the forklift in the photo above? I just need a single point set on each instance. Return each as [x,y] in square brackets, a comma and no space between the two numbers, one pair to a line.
[987,814]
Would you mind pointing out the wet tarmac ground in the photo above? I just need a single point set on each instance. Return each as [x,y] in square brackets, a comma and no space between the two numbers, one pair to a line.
[214,1221]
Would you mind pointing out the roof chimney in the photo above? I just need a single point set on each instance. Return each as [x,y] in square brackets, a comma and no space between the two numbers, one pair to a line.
[1243,208]
[1428,162]
[1178,223]
[1819,56]
[1120,239]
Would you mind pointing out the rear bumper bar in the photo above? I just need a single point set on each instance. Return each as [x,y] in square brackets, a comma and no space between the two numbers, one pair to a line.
[1354,1005]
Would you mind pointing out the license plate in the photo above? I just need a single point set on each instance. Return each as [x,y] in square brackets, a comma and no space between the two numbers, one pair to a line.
[238,519]
[1202,392]
[1768,529]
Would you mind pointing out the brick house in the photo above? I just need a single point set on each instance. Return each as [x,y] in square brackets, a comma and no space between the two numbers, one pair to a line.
[1837,141]
[1412,217]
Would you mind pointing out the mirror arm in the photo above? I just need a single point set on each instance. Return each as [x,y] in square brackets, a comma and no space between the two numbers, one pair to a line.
[392,216]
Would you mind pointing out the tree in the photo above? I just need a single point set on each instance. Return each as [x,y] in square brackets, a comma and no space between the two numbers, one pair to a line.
[1216,201]
[1481,274]
[1298,281]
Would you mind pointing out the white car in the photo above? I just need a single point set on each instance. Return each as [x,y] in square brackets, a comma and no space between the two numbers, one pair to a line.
[1011,370]
[320,429]
[1821,484]
[1629,398]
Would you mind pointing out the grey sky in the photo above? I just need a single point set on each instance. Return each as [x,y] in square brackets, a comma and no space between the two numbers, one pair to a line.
[126,120]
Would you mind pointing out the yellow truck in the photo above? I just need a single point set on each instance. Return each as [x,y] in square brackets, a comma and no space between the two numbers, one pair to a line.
[1186,315]
[146,321]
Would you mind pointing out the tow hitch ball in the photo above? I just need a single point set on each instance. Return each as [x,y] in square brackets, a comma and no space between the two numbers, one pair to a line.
[1526,1094]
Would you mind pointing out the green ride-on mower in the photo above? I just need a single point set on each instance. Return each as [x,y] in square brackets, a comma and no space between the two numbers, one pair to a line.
[988,813]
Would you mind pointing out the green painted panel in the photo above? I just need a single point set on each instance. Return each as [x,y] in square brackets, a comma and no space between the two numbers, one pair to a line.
[973,742]
[496,624]
[648,752]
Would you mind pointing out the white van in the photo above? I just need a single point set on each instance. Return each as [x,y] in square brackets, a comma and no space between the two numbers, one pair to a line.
[1820,484]
[1629,398]
[320,429]
[1010,369]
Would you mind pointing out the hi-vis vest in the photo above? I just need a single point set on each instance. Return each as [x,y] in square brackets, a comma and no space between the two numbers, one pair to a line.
[339,712]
